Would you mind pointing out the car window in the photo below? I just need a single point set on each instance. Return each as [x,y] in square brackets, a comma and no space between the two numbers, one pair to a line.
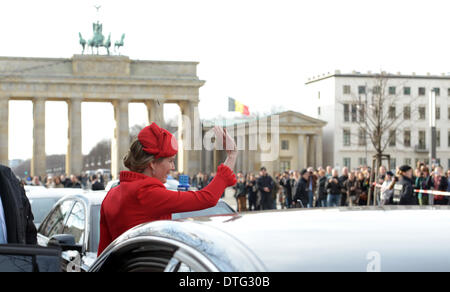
[75,224]
[54,222]
[40,207]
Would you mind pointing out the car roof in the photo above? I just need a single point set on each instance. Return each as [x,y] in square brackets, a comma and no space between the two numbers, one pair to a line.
[340,239]
[331,239]
[89,197]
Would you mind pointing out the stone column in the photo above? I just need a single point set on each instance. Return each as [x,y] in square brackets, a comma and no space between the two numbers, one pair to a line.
[155,109]
[312,151]
[302,151]
[4,118]
[39,159]
[121,139]
[319,150]
[74,157]
[189,138]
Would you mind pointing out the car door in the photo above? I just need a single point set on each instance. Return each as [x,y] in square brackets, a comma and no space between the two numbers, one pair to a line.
[29,258]
[76,226]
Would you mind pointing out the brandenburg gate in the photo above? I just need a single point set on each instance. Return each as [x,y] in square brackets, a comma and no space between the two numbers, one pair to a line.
[96,78]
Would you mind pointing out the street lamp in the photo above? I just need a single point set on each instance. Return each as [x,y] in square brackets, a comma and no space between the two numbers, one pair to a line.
[432,103]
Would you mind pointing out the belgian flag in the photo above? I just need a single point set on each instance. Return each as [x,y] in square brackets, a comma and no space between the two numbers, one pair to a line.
[236,106]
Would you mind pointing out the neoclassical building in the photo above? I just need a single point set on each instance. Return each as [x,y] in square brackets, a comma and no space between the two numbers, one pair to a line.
[86,78]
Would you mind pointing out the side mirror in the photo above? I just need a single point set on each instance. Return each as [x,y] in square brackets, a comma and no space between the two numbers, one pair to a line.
[65,242]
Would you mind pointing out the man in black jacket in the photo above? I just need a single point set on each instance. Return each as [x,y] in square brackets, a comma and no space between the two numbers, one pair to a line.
[301,191]
[18,218]
[285,182]
[334,189]
[265,186]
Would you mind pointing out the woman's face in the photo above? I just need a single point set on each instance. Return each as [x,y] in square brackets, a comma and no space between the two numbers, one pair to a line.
[162,168]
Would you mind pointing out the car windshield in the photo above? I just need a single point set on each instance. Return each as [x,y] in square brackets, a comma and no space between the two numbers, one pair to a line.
[95,228]
[41,207]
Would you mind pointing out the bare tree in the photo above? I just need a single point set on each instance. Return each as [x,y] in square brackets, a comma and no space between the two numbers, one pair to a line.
[379,118]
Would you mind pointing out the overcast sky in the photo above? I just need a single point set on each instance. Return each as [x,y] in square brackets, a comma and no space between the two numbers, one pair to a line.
[259,52]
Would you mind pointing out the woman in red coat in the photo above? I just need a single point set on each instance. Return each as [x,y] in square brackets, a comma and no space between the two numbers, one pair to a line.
[142,197]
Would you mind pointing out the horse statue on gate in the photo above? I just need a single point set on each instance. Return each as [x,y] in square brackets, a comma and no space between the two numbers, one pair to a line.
[97,40]
[107,44]
[82,42]
[119,44]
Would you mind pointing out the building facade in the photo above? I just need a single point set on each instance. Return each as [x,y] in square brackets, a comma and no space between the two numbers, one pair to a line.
[337,97]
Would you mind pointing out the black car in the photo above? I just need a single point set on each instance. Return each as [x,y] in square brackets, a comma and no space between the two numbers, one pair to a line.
[75,220]
[331,239]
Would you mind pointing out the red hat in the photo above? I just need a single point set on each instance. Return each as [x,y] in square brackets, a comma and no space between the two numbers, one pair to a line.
[158,141]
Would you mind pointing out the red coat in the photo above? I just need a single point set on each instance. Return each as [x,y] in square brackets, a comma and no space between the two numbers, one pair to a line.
[140,199]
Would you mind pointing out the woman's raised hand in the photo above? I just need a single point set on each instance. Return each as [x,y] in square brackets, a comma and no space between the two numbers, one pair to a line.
[229,145]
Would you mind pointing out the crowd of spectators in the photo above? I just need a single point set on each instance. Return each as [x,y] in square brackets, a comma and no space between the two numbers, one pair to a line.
[93,182]
[333,187]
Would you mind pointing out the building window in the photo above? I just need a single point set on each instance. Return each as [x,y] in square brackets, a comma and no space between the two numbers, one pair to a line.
[438,138]
[362,137]
[318,110]
[393,163]
[346,89]
[376,90]
[406,90]
[285,165]
[392,138]
[346,112]
[407,112]
[284,144]
[362,161]
[448,92]
[407,138]
[354,113]
[408,161]
[448,138]
[392,112]
[347,141]
[392,90]
[422,140]
[448,113]
[421,91]
[348,162]
[437,90]
[438,113]
[361,90]
[422,113]
[362,111]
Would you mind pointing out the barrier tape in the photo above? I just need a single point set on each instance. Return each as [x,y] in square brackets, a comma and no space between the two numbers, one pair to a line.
[431,192]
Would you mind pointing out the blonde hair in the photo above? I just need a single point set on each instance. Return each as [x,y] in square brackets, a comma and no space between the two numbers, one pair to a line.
[137,160]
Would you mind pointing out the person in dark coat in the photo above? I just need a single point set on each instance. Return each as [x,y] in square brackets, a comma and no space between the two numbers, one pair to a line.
[301,191]
[96,185]
[252,191]
[342,180]
[334,189]
[407,196]
[322,191]
[17,217]
[285,182]
[265,186]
